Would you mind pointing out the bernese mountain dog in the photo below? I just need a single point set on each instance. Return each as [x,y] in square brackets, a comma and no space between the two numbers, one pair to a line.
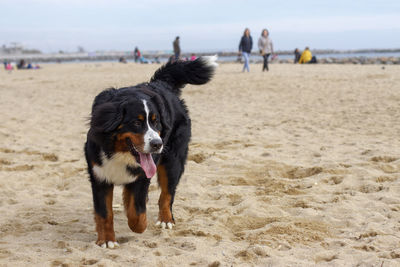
[134,133]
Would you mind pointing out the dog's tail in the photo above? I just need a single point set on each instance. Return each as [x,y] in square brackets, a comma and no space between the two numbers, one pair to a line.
[180,73]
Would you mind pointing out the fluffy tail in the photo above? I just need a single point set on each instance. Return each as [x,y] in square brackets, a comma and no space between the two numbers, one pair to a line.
[180,73]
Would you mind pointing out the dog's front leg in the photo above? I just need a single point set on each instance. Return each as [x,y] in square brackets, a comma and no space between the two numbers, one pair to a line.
[135,198]
[103,214]
[165,217]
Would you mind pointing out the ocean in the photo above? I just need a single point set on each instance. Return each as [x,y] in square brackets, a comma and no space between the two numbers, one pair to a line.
[113,57]
[334,55]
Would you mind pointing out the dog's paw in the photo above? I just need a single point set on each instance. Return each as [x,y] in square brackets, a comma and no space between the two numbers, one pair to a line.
[164,225]
[107,244]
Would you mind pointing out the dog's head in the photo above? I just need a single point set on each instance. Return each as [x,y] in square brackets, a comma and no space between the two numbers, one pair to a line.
[135,124]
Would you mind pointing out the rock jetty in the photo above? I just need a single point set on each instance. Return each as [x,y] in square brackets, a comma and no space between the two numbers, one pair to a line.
[347,60]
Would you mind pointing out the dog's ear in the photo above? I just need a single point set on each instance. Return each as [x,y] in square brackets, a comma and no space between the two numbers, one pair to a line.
[164,116]
[106,117]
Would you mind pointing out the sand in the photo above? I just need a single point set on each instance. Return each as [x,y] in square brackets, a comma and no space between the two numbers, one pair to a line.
[296,167]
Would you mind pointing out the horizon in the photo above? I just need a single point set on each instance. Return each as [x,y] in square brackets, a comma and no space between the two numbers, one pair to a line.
[51,26]
[167,51]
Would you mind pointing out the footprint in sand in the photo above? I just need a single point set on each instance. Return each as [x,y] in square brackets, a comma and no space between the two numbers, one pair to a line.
[334,180]
[370,188]
[395,254]
[235,199]
[4,253]
[226,144]
[384,179]
[198,157]
[5,162]
[245,255]
[188,246]
[89,261]
[150,244]
[385,159]
[326,256]
[23,167]
[8,165]
[301,172]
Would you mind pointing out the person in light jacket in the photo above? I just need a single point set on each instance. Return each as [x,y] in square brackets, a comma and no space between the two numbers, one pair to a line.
[245,46]
[266,48]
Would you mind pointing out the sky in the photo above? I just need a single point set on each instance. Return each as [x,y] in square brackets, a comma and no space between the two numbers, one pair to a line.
[203,25]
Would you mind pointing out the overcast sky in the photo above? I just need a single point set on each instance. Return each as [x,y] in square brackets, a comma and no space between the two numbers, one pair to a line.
[203,25]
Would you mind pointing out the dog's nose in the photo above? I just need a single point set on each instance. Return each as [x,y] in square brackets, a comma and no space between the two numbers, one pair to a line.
[155,144]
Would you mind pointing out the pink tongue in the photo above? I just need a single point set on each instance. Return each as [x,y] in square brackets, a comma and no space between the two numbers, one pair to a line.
[147,163]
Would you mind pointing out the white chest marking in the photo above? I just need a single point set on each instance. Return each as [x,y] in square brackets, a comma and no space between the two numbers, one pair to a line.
[113,170]
[150,133]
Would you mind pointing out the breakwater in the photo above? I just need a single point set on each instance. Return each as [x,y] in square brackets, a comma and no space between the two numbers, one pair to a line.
[345,60]
[389,57]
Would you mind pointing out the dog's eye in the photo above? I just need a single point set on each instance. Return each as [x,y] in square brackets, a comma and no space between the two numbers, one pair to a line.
[154,119]
[137,123]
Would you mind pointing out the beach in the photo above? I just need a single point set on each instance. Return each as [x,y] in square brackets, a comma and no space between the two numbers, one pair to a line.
[299,166]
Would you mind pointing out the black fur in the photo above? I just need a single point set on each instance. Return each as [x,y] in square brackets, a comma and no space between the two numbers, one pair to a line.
[177,74]
[114,112]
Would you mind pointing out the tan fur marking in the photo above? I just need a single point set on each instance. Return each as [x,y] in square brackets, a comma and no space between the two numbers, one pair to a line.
[105,226]
[141,117]
[153,117]
[121,146]
[136,222]
[164,203]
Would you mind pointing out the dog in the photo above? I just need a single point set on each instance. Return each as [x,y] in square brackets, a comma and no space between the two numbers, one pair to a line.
[136,132]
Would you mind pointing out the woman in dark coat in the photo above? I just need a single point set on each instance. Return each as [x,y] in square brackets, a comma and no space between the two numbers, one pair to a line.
[245,46]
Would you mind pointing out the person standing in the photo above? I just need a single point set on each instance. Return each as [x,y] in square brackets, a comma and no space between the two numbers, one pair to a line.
[266,47]
[177,48]
[137,54]
[245,46]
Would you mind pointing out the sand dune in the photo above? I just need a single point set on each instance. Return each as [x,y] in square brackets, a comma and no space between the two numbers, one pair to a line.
[296,167]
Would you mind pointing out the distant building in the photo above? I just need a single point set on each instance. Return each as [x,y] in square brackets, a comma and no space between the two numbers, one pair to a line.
[13,48]
[16,49]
